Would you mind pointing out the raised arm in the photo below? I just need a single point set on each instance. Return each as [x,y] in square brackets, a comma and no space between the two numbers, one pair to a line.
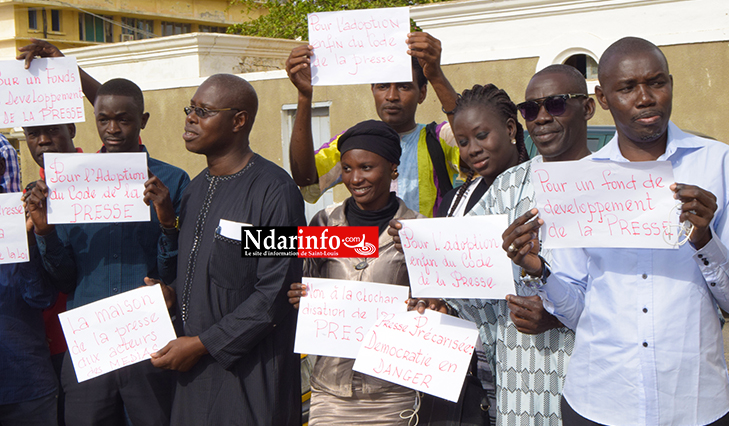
[427,49]
[301,148]
[44,49]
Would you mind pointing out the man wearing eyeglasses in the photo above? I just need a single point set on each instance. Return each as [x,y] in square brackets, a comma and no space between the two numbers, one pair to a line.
[106,259]
[648,347]
[236,360]
[524,343]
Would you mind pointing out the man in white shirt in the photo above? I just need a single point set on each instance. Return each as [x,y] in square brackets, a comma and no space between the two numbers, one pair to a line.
[648,347]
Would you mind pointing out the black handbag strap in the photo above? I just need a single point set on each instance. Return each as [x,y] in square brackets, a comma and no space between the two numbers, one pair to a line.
[437,157]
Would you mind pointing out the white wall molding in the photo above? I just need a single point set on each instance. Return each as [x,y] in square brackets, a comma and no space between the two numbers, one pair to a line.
[477,30]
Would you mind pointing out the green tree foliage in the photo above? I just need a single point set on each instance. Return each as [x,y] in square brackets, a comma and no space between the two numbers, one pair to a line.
[287,18]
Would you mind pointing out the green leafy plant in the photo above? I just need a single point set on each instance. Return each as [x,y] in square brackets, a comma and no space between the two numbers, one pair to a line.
[287,18]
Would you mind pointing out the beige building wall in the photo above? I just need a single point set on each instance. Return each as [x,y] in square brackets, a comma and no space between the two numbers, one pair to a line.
[699,71]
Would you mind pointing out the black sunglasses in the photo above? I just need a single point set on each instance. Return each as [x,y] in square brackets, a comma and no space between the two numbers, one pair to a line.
[204,112]
[555,105]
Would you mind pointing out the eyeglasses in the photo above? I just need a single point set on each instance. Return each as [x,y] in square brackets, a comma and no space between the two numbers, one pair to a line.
[204,112]
[555,105]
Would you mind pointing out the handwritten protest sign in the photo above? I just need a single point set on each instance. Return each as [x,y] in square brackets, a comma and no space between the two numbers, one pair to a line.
[117,331]
[457,257]
[49,92]
[606,204]
[360,46]
[13,238]
[429,352]
[96,188]
[336,314]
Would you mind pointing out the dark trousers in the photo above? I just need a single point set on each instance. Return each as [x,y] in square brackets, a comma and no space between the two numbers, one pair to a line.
[571,418]
[145,392]
[36,412]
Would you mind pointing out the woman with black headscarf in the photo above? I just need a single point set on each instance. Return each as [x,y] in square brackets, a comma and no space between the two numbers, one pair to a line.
[370,154]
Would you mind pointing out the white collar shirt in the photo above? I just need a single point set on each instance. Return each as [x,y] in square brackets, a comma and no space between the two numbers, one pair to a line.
[648,347]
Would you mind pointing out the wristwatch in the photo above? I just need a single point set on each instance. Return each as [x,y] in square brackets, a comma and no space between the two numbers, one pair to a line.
[171,231]
[536,282]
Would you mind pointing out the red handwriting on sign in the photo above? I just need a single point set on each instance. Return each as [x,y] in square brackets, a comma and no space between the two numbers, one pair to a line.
[336,331]
[406,374]
[122,308]
[11,211]
[57,174]
[14,254]
[101,211]
[424,262]
[596,210]
[131,355]
[68,113]
[460,280]
[359,59]
[130,343]
[395,351]
[48,100]
[8,81]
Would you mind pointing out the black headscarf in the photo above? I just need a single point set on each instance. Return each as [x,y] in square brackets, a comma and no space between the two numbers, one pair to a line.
[374,136]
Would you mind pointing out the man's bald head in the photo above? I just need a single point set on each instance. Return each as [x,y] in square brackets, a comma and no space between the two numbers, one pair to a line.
[626,46]
[637,88]
[573,78]
[236,92]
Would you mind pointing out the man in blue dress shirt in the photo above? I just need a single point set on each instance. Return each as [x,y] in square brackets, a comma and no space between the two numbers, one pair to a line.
[648,344]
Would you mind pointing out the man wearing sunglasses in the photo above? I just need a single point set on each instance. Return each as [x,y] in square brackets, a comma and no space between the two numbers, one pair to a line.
[556,112]
[648,346]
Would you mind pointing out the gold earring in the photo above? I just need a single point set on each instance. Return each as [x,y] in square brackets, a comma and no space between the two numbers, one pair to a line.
[513,141]
[395,174]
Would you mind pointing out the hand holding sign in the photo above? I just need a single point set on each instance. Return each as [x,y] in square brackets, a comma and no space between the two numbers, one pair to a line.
[699,206]
[35,202]
[40,48]
[180,354]
[298,68]
[157,194]
[521,242]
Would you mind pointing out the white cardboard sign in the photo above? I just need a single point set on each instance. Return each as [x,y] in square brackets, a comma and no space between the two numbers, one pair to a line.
[13,238]
[96,188]
[429,352]
[117,331]
[336,314]
[596,203]
[457,257]
[360,46]
[49,92]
